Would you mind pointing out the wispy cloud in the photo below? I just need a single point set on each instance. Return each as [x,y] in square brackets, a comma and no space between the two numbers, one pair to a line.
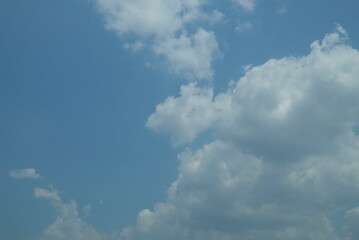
[24,173]
[68,224]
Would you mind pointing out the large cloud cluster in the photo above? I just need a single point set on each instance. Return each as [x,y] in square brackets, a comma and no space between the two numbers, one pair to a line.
[285,160]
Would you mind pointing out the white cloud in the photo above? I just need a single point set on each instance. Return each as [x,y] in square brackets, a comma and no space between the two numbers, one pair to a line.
[163,25]
[247,5]
[68,224]
[24,173]
[285,159]
[285,97]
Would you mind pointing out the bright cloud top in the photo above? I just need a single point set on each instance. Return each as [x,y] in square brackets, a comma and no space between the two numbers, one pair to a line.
[24,173]
[163,25]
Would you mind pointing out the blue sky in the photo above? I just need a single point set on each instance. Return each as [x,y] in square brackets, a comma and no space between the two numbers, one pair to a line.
[178,119]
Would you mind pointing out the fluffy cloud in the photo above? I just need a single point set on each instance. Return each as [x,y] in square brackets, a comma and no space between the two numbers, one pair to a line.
[284,164]
[68,224]
[163,24]
[24,173]
[194,111]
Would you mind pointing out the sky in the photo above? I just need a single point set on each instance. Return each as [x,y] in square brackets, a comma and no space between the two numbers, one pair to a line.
[179,120]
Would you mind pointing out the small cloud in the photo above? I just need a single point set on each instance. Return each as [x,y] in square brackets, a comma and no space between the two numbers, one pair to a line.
[100,202]
[247,5]
[24,173]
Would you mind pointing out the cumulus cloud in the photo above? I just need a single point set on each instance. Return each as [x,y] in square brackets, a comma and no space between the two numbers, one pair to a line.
[24,173]
[68,224]
[163,25]
[303,103]
[284,162]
